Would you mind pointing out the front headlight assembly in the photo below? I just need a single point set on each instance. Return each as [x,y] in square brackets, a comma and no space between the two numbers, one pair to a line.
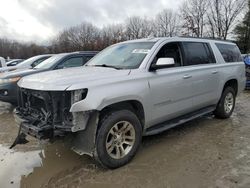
[78,95]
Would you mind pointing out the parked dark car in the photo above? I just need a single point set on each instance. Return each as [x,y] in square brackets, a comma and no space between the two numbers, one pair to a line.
[8,81]
[14,62]
[247,63]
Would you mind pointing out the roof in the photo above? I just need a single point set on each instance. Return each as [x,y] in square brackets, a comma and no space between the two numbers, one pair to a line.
[180,38]
[85,52]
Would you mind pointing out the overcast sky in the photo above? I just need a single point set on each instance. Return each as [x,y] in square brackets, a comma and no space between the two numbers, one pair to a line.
[39,20]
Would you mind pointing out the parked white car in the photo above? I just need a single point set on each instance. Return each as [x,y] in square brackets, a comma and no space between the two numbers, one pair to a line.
[2,62]
[28,63]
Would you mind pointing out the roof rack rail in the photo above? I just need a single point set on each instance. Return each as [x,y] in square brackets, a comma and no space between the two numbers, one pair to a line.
[85,52]
[207,38]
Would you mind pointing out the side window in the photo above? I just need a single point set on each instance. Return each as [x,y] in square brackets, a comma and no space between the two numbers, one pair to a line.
[71,62]
[197,53]
[37,62]
[229,52]
[170,50]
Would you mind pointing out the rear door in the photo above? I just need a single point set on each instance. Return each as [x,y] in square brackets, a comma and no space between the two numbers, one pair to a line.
[199,58]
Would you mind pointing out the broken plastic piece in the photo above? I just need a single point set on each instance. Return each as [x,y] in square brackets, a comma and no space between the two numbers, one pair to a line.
[20,139]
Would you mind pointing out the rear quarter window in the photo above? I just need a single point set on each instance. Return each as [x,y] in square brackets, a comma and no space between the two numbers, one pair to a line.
[229,52]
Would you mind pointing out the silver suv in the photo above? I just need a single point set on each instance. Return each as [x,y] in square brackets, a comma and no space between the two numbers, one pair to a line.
[129,90]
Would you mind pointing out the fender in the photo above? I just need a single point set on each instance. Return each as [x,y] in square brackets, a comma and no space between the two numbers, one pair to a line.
[101,97]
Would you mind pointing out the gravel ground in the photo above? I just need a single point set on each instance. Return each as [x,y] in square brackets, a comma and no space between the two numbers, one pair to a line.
[206,152]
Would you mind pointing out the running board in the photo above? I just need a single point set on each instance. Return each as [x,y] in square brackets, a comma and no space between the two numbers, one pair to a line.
[177,121]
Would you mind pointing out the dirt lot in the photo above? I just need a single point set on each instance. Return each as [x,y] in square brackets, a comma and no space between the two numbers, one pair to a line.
[203,153]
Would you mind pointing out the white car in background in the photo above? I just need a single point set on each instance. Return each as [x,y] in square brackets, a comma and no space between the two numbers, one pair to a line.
[28,63]
[14,62]
[2,62]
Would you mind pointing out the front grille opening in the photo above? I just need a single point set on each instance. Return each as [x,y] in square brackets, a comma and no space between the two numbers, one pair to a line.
[46,108]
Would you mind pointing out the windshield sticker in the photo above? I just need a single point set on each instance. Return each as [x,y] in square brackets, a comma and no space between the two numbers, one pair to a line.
[140,51]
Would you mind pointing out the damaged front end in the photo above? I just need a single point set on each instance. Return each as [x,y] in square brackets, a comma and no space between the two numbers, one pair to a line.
[46,115]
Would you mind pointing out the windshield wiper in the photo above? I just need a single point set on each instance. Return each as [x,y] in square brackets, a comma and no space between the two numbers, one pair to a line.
[105,65]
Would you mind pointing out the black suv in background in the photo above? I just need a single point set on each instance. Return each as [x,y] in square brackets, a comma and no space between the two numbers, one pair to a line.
[8,81]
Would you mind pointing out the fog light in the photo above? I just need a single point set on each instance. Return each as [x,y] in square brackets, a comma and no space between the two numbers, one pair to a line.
[5,93]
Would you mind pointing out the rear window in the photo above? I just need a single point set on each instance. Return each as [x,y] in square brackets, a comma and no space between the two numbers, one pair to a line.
[229,52]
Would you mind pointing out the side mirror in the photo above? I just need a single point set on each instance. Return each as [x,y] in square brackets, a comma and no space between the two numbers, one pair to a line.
[163,63]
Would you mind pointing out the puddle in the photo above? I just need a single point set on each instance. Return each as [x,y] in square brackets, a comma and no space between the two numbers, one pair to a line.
[14,165]
[5,108]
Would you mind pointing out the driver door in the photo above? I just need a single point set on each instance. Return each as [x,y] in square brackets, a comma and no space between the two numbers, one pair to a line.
[171,88]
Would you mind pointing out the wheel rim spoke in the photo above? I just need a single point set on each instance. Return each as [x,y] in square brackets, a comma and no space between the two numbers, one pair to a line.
[111,148]
[130,143]
[118,152]
[229,102]
[115,128]
[128,137]
[122,151]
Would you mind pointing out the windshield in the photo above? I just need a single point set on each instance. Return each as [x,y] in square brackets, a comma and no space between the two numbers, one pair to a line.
[122,56]
[28,61]
[48,63]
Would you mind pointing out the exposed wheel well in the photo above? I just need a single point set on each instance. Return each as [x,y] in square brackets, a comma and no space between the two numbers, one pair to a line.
[132,105]
[232,83]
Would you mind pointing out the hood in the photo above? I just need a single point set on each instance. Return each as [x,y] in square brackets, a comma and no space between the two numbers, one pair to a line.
[18,73]
[60,80]
[6,69]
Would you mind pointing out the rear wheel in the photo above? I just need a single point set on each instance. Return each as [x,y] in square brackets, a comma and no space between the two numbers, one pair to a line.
[118,138]
[226,104]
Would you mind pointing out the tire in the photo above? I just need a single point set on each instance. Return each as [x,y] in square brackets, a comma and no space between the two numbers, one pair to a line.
[225,108]
[117,130]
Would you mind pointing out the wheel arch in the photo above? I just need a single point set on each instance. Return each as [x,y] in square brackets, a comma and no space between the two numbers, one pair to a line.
[133,105]
[232,83]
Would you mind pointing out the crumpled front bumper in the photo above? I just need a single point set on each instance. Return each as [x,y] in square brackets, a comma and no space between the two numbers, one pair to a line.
[83,140]
[27,128]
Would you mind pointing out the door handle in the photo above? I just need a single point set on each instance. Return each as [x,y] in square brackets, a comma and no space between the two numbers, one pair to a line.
[214,72]
[187,76]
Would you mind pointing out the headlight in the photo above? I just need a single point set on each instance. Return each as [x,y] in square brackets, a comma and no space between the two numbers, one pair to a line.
[78,95]
[9,80]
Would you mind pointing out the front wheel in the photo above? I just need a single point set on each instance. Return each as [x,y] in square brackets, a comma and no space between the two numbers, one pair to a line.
[118,138]
[226,104]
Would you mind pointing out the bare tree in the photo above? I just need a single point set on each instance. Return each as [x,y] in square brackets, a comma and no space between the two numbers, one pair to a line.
[14,49]
[222,15]
[166,23]
[77,38]
[137,27]
[194,14]
[112,34]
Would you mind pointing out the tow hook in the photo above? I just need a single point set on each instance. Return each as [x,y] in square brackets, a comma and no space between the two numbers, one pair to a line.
[20,139]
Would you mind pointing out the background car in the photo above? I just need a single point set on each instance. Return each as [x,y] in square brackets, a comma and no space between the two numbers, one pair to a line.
[14,62]
[8,81]
[247,63]
[2,62]
[28,63]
